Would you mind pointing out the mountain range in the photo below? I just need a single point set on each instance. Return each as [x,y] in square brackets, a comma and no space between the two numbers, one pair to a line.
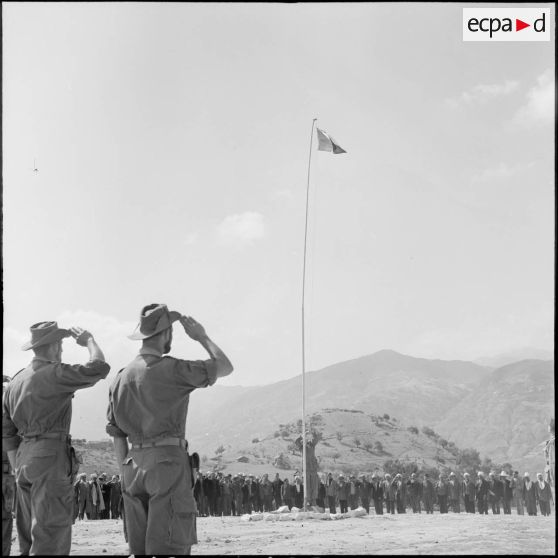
[502,412]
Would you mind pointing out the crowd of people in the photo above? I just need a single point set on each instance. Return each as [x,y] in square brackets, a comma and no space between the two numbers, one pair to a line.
[219,494]
[97,498]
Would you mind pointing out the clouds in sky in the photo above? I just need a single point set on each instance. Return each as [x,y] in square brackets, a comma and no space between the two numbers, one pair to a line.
[501,171]
[539,108]
[241,230]
[483,93]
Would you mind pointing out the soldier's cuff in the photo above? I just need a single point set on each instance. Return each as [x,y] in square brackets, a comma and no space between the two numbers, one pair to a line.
[115,432]
[11,443]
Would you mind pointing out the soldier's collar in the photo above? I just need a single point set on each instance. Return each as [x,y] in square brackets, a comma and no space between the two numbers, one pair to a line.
[150,351]
[42,359]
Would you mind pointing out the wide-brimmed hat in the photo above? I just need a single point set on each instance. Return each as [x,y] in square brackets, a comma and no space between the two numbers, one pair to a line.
[154,318]
[526,475]
[504,474]
[44,333]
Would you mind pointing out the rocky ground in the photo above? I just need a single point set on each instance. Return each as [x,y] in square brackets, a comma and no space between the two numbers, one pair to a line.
[387,534]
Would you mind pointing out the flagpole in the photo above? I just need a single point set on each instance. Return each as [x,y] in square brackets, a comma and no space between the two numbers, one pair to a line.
[304,487]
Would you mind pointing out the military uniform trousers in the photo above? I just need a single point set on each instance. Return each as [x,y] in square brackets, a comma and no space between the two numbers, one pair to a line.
[8,495]
[159,505]
[45,494]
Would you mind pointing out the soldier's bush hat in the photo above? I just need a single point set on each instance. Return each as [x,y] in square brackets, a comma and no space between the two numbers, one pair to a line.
[44,333]
[154,318]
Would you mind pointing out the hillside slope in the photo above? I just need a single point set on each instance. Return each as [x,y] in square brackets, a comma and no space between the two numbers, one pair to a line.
[506,415]
[417,391]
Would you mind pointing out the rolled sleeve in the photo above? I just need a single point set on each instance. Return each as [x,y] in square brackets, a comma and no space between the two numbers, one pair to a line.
[10,436]
[112,428]
[193,374]
[80,376]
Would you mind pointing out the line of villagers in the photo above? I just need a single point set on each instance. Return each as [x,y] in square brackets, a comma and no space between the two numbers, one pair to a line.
[217,494]
[97,498]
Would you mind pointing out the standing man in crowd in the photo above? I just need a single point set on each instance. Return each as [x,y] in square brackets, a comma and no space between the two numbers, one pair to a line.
[414,489]
[482,493]
[36,415]
[494,493]
[331,493]
[95,503]
[389,493]
[428,494]
[365,492]
[115,497]
[507,493]
[442,492]
[517,492]
[343,489]
[400,494]
[529,495]
[454,493]
[105,491]
[82,495]
[148,404]
[468,491]
[277,484]
[377,494]
[544,494]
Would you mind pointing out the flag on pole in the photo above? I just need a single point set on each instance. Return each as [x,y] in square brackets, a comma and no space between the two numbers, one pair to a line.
[327,143]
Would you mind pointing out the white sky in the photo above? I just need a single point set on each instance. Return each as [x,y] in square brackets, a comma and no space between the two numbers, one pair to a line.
[172,148]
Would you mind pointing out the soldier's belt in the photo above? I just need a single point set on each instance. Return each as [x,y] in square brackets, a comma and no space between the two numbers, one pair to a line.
[48,435]
[161,442]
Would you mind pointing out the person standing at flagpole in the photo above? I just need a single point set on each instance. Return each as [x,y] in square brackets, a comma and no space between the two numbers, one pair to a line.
[325,143]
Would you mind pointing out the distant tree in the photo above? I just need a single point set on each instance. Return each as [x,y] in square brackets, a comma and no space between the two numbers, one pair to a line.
[394,466]
[282,462]
[276,434]
[292,447]
[336,456]
[255,440]
[357,442]
[204,458]
[413,429]
[428,431]
[285,433]
[378,447]
[368,446]
[468,460]
[220,450]
[339,435]
[443,442]
[386,416]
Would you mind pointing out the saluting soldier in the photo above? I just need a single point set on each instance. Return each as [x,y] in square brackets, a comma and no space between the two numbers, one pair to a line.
[37,411]
[148,407]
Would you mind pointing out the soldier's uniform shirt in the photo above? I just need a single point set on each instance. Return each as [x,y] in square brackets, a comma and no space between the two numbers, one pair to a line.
[148,401]
[38,401]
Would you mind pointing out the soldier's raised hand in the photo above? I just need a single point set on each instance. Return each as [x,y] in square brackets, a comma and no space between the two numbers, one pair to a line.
[80,335]
[192,328]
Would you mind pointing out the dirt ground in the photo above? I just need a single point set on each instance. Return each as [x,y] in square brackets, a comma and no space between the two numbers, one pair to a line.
[387,534]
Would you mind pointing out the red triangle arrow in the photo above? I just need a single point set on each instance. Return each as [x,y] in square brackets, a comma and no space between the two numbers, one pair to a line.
[519,25]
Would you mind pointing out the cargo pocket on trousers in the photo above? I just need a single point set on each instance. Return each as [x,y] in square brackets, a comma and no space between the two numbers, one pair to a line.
[59,505]
[182,525]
